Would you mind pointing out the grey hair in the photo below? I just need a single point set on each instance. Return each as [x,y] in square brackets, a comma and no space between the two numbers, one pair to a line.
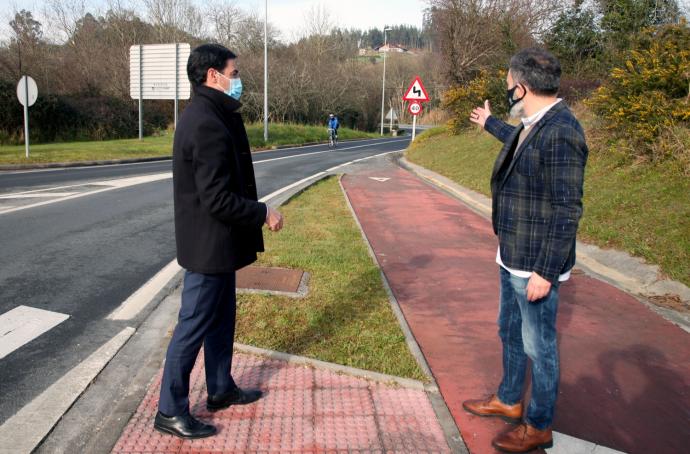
[538,69]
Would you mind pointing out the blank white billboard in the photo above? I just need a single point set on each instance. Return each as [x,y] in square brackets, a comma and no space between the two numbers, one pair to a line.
[161,69]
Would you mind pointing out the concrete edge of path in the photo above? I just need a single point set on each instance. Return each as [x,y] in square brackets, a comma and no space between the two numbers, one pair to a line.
[628,273]
[336,368]
[67,165]
[445,419]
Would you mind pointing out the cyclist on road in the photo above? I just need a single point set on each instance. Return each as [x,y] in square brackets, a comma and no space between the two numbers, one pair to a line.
[333,125]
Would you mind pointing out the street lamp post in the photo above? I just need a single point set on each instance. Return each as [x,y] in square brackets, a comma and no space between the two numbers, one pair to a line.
[383,89]
[266,74]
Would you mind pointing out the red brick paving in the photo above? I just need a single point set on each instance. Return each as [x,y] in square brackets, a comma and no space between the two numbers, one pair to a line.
[305,410]
[625,371]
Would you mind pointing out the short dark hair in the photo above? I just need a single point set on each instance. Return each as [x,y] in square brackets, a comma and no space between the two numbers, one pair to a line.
[538,69]
[204,57]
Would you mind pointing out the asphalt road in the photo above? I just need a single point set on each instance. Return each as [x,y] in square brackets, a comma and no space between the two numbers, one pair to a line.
[83,257]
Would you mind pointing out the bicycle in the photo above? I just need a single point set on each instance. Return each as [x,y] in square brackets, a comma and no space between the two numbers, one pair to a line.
[332,138]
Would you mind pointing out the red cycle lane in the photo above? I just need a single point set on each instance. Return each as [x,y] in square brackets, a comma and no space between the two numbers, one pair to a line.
[625,371]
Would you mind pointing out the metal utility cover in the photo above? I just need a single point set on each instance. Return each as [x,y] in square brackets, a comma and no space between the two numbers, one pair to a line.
[269,279]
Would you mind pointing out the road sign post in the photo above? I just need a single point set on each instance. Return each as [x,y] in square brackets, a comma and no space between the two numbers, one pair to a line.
[27,93]
[141,94]
[416,94]
[415,109]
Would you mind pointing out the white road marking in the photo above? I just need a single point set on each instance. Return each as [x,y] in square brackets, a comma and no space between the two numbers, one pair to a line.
[319,152]
[26,429]
[277,150]
[316,175]
[37,195]
[22,324]
[565,444]
[108,185]
[131,307]
[379,179]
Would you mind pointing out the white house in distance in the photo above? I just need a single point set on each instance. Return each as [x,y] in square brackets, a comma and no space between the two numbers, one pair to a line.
[391,48]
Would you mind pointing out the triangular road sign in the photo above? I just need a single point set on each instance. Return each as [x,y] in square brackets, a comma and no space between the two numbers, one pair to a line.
[392,113]
[416,92]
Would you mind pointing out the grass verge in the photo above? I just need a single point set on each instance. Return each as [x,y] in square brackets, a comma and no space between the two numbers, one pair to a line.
[346,317]
[642,208]
[279,134]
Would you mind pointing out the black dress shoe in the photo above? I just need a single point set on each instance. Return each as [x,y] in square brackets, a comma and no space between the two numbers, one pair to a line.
[234,397]
[185,426]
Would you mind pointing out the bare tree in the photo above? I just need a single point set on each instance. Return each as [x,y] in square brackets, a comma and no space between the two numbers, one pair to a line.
[174,20]
[63,16]
[226,19]
[472,34]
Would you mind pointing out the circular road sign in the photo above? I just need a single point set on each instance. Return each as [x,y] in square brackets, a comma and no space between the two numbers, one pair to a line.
[414,108]
[22,89]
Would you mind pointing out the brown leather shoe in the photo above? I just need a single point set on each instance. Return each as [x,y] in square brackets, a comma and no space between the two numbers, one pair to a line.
[523,438]
[492,406]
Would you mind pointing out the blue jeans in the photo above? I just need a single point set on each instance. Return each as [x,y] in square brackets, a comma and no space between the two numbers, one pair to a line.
[528,330]
[207,315]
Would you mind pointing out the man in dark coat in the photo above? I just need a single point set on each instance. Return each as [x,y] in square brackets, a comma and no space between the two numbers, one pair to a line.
[218,223]
[536,187]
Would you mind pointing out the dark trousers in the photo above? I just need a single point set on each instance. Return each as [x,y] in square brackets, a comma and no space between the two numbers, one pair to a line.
[528,330]
[207,316]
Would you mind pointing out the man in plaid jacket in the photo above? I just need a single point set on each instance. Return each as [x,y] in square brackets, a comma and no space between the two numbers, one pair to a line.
[536,186]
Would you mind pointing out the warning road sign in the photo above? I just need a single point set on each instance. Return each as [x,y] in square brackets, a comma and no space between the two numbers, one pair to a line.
[416,92]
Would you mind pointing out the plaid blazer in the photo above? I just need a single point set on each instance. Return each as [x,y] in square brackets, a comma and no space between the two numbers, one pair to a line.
[537,195]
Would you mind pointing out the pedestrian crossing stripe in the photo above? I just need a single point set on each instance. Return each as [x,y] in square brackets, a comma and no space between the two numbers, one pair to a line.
[23,324]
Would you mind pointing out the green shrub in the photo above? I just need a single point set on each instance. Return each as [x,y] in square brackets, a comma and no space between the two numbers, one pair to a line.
[60,118]
[648,94]
[460,100]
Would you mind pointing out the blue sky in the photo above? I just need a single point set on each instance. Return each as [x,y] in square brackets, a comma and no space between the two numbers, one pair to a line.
[287,15]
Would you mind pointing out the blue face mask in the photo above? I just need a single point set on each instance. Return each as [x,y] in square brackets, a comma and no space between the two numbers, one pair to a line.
[235,88]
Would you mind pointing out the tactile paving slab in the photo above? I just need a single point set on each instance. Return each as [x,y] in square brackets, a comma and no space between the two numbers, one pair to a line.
[304,410]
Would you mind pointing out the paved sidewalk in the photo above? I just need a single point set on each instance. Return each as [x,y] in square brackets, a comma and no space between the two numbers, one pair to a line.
[625,371]
[306,410]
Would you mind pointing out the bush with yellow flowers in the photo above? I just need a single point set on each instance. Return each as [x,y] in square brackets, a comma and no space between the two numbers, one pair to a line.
[648,94]
[461,99]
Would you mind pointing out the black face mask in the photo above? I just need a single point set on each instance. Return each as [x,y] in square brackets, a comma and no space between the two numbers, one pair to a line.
[509,96]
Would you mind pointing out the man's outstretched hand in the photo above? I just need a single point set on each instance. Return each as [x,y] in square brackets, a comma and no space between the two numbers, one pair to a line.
[274,220]
[480,114]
